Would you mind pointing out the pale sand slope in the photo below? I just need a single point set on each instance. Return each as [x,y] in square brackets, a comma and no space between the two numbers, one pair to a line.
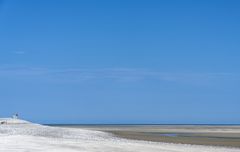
[28,137]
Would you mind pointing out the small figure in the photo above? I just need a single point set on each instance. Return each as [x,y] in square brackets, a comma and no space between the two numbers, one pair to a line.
[15,116]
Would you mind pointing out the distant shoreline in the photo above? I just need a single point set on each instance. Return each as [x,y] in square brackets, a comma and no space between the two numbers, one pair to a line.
[72,124]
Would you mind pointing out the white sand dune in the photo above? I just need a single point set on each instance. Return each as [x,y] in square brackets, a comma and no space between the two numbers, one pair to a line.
[13,121]
[22,136]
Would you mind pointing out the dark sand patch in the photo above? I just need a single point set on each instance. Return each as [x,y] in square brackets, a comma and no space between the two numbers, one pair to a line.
[196,139]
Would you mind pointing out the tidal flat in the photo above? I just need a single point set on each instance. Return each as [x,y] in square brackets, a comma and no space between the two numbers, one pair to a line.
[213,135]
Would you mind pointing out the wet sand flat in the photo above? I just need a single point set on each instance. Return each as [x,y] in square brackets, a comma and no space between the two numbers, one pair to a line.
[185,134]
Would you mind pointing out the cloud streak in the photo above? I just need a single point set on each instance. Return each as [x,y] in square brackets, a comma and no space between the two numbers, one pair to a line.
[19,52]
[116,74]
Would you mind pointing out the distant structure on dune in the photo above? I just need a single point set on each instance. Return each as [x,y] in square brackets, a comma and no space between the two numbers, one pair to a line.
[7,120]
[15,116]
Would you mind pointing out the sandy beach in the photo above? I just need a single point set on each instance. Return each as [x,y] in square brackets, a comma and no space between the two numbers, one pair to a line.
[21,136]
[227,136]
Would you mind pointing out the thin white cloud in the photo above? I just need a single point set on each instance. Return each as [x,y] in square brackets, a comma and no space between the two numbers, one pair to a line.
[19,52]
[117,74]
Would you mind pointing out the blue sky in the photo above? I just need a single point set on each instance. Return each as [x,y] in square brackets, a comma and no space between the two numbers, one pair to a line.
[120,61]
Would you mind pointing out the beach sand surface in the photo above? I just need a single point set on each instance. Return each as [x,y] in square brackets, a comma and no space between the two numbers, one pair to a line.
[29,137]
[214,135]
